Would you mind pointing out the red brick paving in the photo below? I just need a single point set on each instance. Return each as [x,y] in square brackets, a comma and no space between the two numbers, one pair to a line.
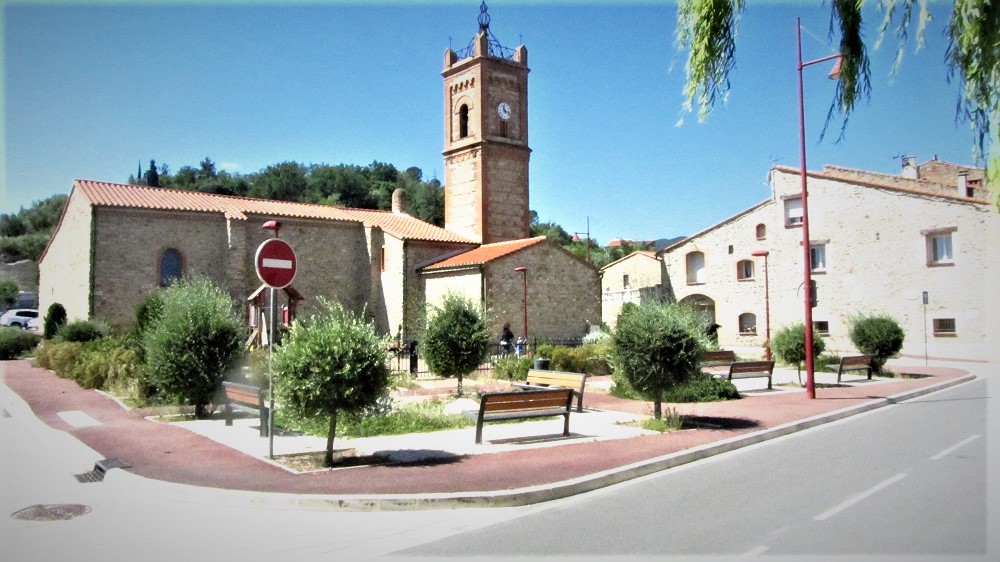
[172,454]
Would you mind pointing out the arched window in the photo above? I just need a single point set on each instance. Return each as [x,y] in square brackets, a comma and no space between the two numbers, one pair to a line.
[744,270]
[748,324]
[761,231]
[463,121]
[171,266]
[695,268]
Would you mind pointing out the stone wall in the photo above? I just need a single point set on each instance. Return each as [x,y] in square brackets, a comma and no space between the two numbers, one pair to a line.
[64,270]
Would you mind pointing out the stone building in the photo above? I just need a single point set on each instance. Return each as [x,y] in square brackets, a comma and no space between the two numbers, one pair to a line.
[878,243]
[631,279]
[115,243]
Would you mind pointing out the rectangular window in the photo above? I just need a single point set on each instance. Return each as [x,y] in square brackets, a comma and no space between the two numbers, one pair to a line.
[793,212]
[817,257]
[748,324]
[944,326]
[822,326]
[625,284]
[940,249]
[744,270]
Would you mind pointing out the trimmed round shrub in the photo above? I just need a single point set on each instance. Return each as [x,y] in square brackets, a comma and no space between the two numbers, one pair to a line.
[512,368]
[55,318]
[457,340]
[877,335]
[81,331]
[789,346]
[197,339]
[656,347]
[330,363]
[15,342]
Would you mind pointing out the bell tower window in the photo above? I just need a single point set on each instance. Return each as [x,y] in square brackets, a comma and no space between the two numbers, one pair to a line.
[463,122]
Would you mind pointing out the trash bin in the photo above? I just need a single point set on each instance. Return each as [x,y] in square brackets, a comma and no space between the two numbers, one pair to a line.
[543,364]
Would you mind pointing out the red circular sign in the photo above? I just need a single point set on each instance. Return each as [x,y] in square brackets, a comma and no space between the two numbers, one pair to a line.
[275,263]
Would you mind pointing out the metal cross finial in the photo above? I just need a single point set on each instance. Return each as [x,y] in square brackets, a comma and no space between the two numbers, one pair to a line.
[484,18]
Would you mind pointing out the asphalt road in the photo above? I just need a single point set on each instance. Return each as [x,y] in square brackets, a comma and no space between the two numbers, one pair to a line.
[907,480]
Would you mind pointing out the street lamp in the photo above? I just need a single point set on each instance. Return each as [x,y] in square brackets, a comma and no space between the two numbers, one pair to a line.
[807,262]
[576,238]
[524,276]
[767,306]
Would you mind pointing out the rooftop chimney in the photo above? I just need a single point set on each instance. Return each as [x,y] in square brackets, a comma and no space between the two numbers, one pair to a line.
[963,184]
[399,201]
[910,168]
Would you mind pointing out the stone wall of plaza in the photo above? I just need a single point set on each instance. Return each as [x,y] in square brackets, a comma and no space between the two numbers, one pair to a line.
[875,242]
[563,293]
[64,271]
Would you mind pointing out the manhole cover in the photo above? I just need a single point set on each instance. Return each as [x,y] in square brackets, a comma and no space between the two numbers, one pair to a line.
[51,512]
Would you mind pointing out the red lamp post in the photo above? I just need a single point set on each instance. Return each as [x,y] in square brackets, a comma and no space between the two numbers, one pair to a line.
[524,276]
[807,265]
[767,306]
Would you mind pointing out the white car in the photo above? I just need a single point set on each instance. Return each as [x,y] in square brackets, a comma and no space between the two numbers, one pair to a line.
[18,317]
[35,324]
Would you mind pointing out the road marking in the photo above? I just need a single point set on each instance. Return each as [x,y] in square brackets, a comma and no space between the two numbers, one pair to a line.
[756,551]
[77,418]
[275,263]
[831,512]
[953,448]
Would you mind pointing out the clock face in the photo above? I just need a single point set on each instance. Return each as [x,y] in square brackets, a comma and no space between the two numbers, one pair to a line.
[504,110]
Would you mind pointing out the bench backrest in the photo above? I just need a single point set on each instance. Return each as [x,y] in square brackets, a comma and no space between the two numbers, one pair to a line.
[721,356]
[741,367]
[856,361]
[242,393]
[576,381]
[517,401]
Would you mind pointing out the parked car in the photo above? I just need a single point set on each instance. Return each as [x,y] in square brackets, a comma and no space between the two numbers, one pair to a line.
[35,324]
[18,317]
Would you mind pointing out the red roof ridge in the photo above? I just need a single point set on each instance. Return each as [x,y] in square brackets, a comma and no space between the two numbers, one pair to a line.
[485,253]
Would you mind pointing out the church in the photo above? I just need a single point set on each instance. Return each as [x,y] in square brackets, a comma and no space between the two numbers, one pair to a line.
[116,243]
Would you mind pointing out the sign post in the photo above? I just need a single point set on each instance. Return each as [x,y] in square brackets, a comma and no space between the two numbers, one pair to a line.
[275,263]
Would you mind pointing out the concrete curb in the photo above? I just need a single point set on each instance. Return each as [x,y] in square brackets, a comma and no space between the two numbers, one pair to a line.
[558,490]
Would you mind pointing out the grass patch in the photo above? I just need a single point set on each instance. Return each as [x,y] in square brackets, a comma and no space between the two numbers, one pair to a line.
[416,417]
[671,421]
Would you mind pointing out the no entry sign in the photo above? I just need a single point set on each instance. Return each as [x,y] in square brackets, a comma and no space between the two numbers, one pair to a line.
[275,263]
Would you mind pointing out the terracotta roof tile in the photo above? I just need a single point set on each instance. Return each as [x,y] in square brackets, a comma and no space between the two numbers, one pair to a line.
[103,194]
[485,253]
[887,181]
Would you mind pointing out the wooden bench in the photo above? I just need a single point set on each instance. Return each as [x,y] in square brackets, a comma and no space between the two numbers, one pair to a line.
[855,363]
[751,369]
[541,403]
[719,358]
[538,379]
[245,398]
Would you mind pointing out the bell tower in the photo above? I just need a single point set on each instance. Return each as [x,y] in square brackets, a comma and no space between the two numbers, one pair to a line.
[486,139]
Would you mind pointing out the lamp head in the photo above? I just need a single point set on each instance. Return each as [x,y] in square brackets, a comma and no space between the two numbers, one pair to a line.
[271,225]
[835,71]
[521,269]
[760,253]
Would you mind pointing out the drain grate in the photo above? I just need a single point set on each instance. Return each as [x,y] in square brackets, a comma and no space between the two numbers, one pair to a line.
[100,468]
[51,512]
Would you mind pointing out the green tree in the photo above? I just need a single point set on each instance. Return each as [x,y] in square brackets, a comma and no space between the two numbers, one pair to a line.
[196,340]
[877,335]
[456,340]
[283,182]
[331,363]
[55,318]
[707,28]
[8,291]
[152,176]
[789,345]
[656,347]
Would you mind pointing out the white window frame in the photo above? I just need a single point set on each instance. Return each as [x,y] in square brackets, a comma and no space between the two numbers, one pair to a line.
[938,239]
[747,330]
[793,211]
[745,270]
[817,265]
[695,272]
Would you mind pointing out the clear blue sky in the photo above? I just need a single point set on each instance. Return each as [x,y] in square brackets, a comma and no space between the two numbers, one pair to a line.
[93,91]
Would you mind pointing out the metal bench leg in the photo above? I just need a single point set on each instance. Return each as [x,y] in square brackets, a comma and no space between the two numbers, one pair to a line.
[566,425]
[479,431]
[227,412]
